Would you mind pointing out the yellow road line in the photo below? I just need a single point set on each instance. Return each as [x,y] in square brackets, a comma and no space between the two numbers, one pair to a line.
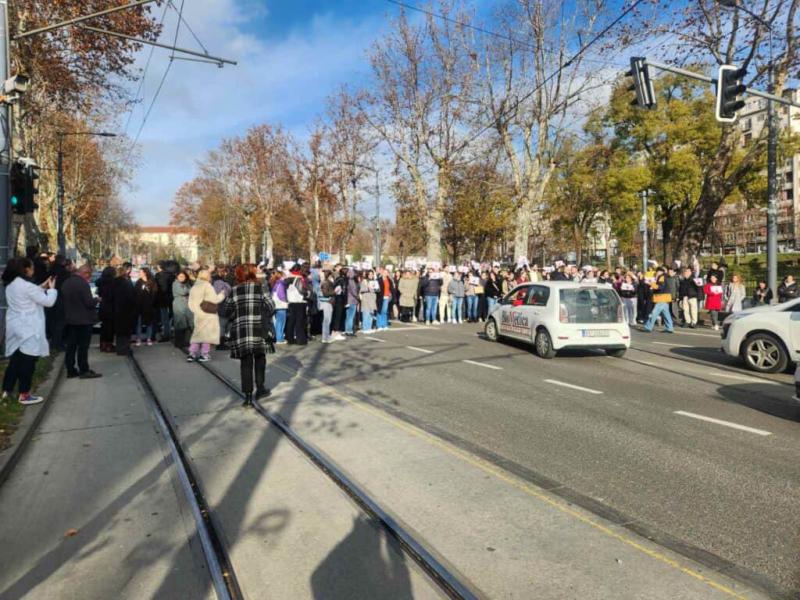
[524,486]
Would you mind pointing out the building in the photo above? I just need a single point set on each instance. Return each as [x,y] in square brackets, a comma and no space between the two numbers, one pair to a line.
[742,227]
[155,242]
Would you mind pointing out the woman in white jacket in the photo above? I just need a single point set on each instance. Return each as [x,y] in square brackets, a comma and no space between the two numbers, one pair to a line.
[203,301]
[26,340]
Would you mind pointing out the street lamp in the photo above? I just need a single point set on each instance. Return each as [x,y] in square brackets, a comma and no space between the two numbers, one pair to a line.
[62,241]
[772,156]
[377,207]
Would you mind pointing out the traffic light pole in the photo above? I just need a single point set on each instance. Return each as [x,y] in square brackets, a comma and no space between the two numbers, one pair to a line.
[5,163]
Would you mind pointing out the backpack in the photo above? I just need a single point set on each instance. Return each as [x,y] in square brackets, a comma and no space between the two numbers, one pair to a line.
[293,293]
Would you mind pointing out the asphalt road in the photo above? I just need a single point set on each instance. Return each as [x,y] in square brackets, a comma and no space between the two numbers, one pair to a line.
[631,434]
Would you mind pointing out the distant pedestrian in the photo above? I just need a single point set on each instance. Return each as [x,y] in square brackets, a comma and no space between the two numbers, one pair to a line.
[297,318]
[325,300]
[368,292]
[80,310]
[250,310]
[662,300]
[281,306]
[736,295]
[386,294]
[788,289]
[146,293]
[627,291]
[714,292]
[183,318]
[203,301]
[125,316]
[26,338]
[457,294]
[165,277]
[106,310]
[351,302]
[762,295]
[689,293]
[219,281]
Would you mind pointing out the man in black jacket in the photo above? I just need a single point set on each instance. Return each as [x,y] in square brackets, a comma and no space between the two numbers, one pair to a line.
[80,314]
[689,294]
[164,281]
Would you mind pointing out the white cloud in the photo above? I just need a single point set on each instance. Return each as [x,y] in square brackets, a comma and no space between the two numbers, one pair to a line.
[277,80]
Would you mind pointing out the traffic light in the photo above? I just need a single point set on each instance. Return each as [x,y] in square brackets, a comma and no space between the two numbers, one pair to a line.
[17,177]
[729,88]
[31,187]
[642,84]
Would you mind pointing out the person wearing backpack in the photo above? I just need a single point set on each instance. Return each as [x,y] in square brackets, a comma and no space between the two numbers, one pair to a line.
[296,317]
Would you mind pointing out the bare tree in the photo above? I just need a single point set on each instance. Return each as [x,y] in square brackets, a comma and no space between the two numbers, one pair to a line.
[422,106]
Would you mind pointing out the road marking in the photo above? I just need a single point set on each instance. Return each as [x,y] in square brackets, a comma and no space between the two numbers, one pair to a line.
[708,335]
[415,349]
[408,328]
[574,387]
[374,339]
[673,345]
[746,378]
[480,364]
[721,422]
[522,485]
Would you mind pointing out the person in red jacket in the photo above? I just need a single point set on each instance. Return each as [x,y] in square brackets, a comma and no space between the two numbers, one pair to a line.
[713,291]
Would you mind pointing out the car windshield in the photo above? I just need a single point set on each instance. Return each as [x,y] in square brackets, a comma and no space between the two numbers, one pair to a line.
[590,305]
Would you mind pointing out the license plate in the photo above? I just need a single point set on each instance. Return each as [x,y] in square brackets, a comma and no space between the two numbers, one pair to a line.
[595,333]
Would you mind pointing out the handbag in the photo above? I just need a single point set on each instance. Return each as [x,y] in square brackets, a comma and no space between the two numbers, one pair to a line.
[478,289]
[208,307]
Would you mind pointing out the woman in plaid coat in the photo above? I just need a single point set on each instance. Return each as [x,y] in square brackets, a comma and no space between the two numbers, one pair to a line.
[244,307]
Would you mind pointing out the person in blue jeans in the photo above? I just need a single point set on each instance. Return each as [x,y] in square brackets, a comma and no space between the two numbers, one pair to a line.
[663,300]
[281,305]
[352,294]
[431,289]
[368,291]
[385,294]
[456,290]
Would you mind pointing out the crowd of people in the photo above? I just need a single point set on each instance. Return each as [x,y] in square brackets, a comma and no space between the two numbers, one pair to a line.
[247,309]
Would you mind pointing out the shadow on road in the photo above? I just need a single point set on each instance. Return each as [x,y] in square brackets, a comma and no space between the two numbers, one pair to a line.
[753,396]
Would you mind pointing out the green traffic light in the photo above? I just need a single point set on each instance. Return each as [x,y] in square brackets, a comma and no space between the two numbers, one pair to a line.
[14,201]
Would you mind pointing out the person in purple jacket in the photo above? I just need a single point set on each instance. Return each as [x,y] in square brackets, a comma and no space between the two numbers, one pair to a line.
[278,286]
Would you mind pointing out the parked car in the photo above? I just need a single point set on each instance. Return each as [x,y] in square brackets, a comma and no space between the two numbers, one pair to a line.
[555,315]
[766,338]
[796,396]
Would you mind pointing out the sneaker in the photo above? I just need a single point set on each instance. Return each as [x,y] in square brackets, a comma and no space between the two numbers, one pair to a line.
[281,343]
[327,341]
[4,397]
[190,358]
[716,327]
[668,331]
[204,358]
[72,374]
[90,375]
[149,342]
[138,343]
[368,331]
[263,393]
[27,399]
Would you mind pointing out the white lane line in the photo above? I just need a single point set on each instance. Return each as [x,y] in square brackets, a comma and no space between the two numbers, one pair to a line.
[374,339]
[574,387]
[708,335]
[721,422]
[480,364]
[408,328]
[423,350]
[673,345]
[746,378]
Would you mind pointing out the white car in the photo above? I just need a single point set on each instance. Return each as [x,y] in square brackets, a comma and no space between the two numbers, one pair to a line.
[555,315]
[767,338]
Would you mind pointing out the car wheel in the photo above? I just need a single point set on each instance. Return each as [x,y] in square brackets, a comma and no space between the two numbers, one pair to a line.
[616,352]
[544,345]
[491,330]
[764,353]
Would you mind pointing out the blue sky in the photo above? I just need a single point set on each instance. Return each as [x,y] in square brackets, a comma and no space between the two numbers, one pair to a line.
[291,56]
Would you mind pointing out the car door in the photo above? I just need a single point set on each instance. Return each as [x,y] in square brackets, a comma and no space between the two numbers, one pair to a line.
[537,304]
[513,312]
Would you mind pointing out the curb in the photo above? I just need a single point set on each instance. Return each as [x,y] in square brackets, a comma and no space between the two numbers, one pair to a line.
[31,418]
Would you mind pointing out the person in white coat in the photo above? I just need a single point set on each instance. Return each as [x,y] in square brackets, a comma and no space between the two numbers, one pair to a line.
[26,340]
[203,301]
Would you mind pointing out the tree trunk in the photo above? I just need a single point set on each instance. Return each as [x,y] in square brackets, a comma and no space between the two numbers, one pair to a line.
[433,223]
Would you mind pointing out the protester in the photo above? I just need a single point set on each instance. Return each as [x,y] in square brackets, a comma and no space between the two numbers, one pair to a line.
[787,290]
[80,312]
[220,284]
[445,312]
[369,301]
[326,298]
[492,291]
[471,282]
[106,310]
[689,294]
[297,317]
[203,302]
[662,300]
[146,293]
[713,291]
[164,280]
[125,315]
[184,320]
[250,309]
[762,295]
[431,290]
[351,299]
[736,294]
[25,334]
[278,287]
[408,295]
[627,291]
[457,293]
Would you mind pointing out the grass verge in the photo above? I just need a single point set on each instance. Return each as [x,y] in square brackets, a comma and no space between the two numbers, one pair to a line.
[11,410]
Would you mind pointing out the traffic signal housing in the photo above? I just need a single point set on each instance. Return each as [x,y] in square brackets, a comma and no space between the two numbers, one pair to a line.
[729,88]
[642,84]
[23,186]
[17,177]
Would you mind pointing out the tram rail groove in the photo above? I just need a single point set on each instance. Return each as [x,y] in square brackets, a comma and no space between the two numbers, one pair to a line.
[444,576]
[221,572]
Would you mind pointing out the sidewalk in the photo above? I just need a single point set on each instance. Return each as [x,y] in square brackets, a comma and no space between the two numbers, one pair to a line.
[93,509]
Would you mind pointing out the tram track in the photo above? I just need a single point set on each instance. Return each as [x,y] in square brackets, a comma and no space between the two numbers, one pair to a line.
[443,575]
[221,572]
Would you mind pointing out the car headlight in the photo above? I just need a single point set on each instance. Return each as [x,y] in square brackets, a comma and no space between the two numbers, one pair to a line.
[733,317]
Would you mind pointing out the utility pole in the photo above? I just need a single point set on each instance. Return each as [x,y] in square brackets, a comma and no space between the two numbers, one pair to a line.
[5,162]
[377,220]
[643,229]
[772,182]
